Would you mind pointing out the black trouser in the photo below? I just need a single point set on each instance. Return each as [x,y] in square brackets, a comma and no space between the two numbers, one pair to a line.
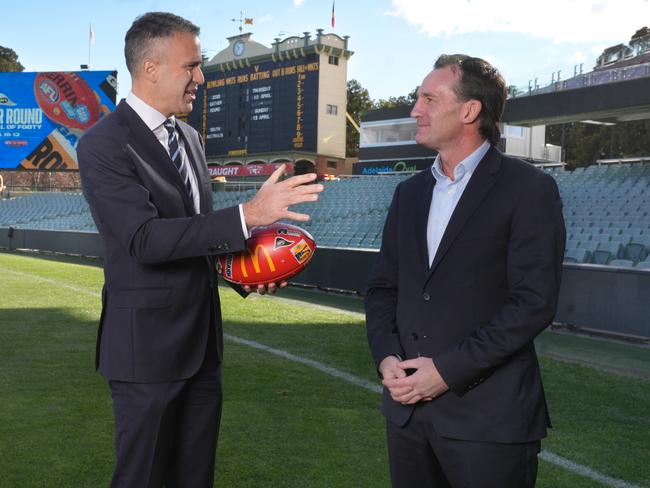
[420,458]
[166,433]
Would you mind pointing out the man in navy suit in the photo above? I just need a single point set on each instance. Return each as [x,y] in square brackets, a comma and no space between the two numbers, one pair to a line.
[160,338]
[468,274]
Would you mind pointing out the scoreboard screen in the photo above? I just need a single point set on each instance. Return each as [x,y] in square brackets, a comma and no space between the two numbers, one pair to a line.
[267,107]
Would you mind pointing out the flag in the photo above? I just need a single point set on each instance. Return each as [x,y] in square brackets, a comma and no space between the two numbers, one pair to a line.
[91,35]
[333,18]
[248,21]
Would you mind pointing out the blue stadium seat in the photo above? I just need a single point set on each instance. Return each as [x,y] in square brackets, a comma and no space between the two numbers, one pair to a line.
[622,263]
[576,255]
[643,265]
[635,251]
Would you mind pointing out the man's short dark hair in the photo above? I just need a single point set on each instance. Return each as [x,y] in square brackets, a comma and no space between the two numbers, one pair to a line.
[479,80]
[150,27]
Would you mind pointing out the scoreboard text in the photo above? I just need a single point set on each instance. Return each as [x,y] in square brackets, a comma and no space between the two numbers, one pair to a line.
[267,107]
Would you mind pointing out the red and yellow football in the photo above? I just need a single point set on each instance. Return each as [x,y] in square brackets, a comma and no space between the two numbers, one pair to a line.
[66,99]
[274,253]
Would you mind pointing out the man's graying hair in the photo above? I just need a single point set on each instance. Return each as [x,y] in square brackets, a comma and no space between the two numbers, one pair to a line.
[479,80]
[148,28]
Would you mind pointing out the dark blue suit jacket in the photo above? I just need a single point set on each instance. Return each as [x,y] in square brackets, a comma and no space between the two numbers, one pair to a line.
[492,287]
[160,294]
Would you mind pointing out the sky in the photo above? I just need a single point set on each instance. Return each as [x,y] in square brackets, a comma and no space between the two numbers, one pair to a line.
[395,42]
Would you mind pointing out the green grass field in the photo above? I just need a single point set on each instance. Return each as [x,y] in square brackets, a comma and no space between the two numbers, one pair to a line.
[285,424]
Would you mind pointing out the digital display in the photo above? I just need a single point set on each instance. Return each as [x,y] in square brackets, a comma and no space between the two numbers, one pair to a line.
[267,107]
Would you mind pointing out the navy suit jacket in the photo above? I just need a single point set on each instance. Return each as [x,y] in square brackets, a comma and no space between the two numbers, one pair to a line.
[160,296]
[492,287]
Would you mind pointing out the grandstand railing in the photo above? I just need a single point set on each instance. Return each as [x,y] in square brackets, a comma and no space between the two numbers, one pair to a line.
[600,77]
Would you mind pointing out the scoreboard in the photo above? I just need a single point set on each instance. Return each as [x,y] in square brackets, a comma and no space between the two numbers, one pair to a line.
[267,107]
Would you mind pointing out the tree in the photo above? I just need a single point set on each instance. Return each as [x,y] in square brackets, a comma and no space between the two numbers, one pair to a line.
[583,143]
[358,102]
[402,101]
[9,60]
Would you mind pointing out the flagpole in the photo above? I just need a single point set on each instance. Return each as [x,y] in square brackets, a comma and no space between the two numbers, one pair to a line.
[90,41]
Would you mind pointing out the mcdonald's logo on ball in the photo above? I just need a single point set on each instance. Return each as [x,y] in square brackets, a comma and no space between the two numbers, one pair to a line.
[273,254]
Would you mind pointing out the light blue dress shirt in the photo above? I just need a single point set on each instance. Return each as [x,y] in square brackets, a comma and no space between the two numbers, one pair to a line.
[447,193]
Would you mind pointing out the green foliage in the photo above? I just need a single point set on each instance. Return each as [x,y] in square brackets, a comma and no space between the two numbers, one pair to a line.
[585,143]
[284,424]
[401,101]
[358,102]
[9,60]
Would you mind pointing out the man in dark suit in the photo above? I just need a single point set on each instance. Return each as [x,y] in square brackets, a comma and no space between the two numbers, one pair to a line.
[160,340]
[468,274]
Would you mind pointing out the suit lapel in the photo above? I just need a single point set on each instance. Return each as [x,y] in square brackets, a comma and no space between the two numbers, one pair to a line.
[478,187]
[143,141]
[421,214]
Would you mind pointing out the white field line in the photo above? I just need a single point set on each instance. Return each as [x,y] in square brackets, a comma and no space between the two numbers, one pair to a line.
[355,380]
[375,388]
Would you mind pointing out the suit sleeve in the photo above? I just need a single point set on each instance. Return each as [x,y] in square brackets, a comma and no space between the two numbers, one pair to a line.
[381,293]
[534,262]
[124,212]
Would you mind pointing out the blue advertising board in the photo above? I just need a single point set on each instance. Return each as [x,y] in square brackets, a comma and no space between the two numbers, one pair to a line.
[43,115]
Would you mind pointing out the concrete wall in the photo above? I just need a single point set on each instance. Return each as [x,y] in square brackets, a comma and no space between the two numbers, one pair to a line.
[332,90]
[602,298]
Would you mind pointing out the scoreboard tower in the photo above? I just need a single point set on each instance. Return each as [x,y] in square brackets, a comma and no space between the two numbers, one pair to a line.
[286,103]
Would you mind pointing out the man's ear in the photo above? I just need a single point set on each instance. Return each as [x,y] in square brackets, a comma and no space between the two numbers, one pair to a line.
[471,110]
[150,70]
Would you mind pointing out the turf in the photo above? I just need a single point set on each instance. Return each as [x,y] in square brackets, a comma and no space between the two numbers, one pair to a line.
[284,424]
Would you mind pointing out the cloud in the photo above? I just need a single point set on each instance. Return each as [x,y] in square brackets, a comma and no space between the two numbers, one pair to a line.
[557,20]
[298,3]
[577,57]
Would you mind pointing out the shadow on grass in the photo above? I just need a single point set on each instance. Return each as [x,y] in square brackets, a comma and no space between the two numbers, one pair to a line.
[55,410]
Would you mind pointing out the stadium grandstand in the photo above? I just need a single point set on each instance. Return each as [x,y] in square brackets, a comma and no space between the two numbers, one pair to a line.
[606,209]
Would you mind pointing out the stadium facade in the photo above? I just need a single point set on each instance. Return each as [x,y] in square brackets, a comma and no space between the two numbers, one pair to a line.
[266,105]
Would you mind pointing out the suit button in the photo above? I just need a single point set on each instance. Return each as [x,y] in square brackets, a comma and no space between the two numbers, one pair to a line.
[414,336]
[426,297]
[226,246]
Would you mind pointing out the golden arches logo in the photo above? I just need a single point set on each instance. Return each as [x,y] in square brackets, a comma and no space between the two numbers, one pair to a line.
[255,259]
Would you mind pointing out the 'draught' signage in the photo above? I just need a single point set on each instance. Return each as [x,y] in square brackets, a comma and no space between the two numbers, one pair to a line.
[43,115]
[250,170]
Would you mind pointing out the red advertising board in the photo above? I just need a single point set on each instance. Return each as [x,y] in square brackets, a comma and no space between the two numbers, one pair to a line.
[250,170]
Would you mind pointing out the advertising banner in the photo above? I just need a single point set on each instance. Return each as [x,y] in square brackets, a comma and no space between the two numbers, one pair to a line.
[250,170]
[43,115]
[378,167]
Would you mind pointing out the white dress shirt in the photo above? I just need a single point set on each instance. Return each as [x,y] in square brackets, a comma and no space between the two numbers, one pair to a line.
[155,120]
[447,193]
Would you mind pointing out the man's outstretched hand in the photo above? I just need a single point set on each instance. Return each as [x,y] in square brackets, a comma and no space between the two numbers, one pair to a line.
[272,201]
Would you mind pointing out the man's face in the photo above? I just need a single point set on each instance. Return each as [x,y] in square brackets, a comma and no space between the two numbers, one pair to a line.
[438,110]
[179,73]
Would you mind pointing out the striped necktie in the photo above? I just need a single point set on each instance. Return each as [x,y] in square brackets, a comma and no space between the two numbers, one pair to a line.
[175,155]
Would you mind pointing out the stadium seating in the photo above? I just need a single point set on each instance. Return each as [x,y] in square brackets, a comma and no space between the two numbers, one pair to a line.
[643,265]
[606,210]
[54,211]
[575,255]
